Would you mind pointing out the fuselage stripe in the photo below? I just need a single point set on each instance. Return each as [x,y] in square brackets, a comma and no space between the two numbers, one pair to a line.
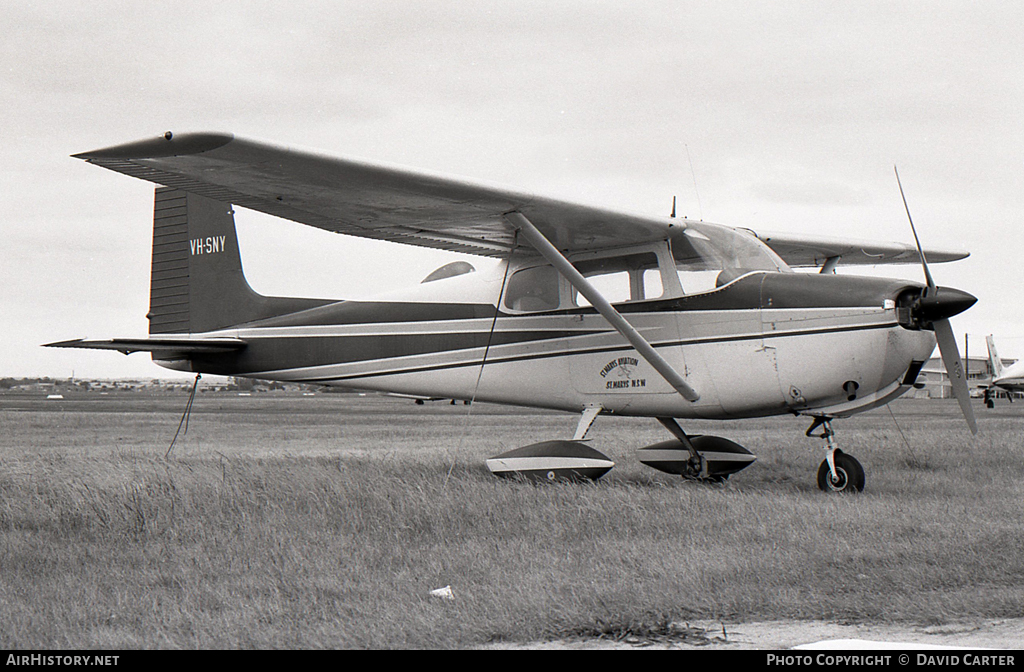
[623,347]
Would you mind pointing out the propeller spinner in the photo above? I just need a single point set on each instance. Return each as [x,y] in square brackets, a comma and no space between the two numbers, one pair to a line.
[935,306]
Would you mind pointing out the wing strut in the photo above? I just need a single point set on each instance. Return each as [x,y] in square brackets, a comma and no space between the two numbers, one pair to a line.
[583,286]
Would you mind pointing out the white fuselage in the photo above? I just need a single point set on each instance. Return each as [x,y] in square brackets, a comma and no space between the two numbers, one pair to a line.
[745,361]
[1012,378]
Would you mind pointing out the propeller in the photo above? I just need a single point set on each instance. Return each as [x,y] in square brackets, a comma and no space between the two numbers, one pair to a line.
[935,306]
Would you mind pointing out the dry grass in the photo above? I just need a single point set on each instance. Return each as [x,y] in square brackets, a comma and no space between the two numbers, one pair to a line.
[326,521]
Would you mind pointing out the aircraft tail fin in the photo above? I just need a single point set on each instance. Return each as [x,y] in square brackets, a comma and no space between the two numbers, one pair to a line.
[197,283]
[993,357]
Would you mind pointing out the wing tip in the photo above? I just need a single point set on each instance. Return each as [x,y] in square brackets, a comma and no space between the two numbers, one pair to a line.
[64,344]
[168,144]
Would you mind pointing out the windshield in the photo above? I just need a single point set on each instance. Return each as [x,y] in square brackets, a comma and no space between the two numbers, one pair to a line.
[709,256]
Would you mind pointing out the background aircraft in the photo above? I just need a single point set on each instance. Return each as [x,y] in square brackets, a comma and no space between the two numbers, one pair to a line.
[1010,378]
[590,310]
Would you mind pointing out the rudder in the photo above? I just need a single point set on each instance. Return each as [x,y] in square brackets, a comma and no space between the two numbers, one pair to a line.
[993,357]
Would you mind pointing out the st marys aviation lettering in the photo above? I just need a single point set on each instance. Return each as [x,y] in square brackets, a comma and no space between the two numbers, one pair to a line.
[620,374]
[208,245]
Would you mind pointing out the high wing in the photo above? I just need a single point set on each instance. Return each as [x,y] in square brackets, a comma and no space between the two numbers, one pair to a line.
[367,199]
[386,202]
[806,250]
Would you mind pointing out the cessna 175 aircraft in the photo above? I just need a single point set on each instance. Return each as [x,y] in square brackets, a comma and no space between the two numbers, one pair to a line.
[590,310]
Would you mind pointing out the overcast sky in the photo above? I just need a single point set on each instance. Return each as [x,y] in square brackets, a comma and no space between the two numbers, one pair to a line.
[778,115]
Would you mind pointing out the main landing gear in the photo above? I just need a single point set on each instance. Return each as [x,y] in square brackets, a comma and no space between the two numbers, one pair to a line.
[838,472]
[702,458]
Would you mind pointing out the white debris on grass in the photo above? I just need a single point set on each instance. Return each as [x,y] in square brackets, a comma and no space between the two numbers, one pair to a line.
[444,593]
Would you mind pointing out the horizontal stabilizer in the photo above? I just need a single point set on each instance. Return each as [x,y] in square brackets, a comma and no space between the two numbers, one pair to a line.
[184,346]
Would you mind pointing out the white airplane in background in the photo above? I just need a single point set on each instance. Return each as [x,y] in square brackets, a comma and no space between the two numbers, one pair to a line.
[1010,378]
[692,319]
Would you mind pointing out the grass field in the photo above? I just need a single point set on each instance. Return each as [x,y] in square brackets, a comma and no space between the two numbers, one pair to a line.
[288,521]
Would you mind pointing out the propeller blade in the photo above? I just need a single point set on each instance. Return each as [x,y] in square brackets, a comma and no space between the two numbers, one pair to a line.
[920,251]
[955,369]
[929,303]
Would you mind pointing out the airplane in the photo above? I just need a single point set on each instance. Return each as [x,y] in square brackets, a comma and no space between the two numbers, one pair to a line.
[1010,378]
[588,310]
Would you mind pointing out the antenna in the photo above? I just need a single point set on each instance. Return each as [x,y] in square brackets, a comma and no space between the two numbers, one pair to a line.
[673,207]
[694,176]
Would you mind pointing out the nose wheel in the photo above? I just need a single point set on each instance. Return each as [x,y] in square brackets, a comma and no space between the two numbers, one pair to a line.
[848,476]
[838,472]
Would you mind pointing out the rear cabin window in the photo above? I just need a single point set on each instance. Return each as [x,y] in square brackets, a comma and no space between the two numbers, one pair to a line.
[619,279]
[632,277]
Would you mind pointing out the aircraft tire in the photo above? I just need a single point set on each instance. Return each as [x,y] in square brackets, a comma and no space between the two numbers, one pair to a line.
[849,470]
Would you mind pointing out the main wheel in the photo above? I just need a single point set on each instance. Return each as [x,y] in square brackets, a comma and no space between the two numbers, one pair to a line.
[850,475]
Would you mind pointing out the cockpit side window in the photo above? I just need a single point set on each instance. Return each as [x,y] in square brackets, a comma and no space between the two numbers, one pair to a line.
[708,256]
